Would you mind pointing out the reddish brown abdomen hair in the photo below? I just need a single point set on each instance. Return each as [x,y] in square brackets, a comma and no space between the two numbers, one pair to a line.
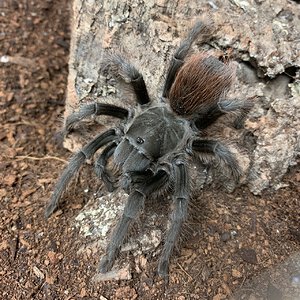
[201,81]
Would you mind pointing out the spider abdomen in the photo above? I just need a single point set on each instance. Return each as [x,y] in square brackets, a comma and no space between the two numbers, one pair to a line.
[201,82]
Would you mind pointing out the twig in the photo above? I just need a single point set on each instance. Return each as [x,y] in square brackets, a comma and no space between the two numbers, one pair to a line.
[24,122]
[185,272]
[21,157]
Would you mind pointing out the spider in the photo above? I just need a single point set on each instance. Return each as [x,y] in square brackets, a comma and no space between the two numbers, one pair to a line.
[154,141]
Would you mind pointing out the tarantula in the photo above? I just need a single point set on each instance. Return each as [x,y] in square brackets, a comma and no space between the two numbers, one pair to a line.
[153,142]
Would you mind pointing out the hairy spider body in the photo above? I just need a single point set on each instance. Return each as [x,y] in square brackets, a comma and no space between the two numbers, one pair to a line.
[153,142]
[154,136]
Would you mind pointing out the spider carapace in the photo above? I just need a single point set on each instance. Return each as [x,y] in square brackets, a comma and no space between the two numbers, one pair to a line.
[154,134]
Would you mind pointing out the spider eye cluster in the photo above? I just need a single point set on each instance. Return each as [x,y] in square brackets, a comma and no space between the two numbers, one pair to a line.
[140,140]
[156,132]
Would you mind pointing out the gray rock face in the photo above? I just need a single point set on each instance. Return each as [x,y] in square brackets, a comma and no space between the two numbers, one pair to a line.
[262,36]
[280,282]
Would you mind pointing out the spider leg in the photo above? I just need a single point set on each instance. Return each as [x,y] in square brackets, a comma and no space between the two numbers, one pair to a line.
[216,110]
[132,208]
[180,54]
[127,72]
[180,200]
[100,166]
[95,109]
[74,164]
[219,150]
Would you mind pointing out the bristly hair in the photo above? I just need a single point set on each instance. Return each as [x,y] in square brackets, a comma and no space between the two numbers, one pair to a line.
[201,81]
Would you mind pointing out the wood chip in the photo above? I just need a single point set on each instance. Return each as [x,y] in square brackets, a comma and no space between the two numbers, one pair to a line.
[3,193]
[9,180]
[236,274]
[52,256]
[121,274]
[83,292]
[38,272]
[28,192]
[50,279]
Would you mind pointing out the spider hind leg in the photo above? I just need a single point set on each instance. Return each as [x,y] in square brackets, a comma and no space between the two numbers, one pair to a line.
[221,152]
[132,208]
[179,214]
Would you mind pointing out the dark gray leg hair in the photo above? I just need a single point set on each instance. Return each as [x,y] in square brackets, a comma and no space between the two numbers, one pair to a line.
[74,164]
[100,167]
[178,59]
[180,200]
[240,107]
[128,73]
[133,206]
[95,109]
[216,110]
[220,151]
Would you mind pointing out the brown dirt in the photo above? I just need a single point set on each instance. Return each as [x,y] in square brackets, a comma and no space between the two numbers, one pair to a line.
[39,259]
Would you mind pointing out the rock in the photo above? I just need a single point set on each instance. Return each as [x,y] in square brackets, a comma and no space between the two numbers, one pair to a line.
[274,293]
[248,255]
[279,282]
[115,274]
[225,236]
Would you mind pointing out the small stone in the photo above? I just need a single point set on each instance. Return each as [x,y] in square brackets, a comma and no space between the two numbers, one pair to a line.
[225,236]
[296,279]
[121,274]
[219,297]
[126,293]
[54,257]
[50,279]
[248,255]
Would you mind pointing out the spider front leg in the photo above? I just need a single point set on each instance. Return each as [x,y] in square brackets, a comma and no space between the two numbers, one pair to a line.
[178,59]
[74,164]
[95,109]
[132,208]
[100,166]
[220,151]
[180,200]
